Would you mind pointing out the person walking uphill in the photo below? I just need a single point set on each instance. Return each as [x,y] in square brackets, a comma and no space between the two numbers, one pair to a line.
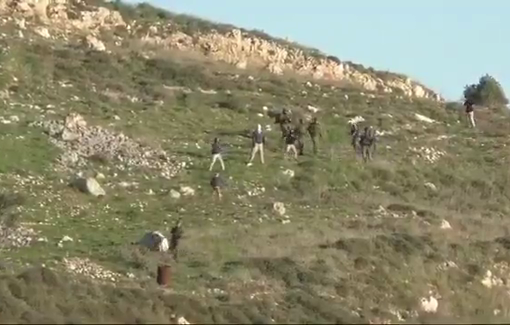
[314,131]
[470,113]
[216,152]
[258,140]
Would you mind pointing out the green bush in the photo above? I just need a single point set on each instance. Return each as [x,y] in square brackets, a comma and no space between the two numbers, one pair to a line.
[487,92]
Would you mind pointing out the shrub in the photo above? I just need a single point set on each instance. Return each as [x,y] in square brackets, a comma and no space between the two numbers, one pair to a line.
[487,92]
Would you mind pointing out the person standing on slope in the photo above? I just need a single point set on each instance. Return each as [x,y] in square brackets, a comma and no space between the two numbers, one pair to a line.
[314,131]
[470,112]
[299,131]
[290,141]
[258,140]
[216,152]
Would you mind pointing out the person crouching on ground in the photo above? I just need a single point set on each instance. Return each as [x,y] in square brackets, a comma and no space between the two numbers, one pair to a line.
[217,184]
[216,152]
[258,140]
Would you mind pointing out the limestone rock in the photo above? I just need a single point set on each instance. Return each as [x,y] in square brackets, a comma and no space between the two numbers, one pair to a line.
[89,185]
[187,191]
[155,241]
[429,305]
[279,208]
[175,194]
[94,44]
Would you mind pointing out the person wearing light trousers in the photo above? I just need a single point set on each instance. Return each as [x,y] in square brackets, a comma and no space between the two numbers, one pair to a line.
[216,152]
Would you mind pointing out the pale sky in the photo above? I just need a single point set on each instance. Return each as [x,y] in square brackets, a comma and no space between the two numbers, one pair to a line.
[445,44]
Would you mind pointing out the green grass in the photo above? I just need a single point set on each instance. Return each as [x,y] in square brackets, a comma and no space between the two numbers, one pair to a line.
[336,261]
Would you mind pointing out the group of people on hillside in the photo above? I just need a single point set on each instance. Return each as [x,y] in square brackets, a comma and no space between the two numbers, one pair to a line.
[362,141]
[292,136]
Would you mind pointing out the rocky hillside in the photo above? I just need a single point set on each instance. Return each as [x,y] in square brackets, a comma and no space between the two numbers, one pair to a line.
[106,127]
[105,27]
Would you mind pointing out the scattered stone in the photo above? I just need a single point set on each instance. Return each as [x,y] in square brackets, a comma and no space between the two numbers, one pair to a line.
[445,224]
[490,280]
[356,120]
[312,109]
[175,194]
[80,142]
[447,265]
[87,268]
[279,208]
[63,240]
[431,186]
[15,237]
[100,176]
[429,305]
[288,172]
[94,44]
[187,191]
[43,32]
[423,118]
[430,155]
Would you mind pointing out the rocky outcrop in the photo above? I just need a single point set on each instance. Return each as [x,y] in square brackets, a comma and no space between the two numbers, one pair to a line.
[244,50]
[63,14]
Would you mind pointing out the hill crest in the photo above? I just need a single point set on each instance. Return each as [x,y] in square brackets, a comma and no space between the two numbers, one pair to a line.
[109,24]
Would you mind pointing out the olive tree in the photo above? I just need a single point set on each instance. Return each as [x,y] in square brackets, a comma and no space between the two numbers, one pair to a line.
[487,92]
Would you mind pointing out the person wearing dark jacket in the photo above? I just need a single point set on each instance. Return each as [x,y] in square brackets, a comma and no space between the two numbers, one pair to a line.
[217,184]
[176,233]
[299,132]
[258,140]
[470,112]
[216,152]
[290,142]
[367,143]
[355,134]
[314,131]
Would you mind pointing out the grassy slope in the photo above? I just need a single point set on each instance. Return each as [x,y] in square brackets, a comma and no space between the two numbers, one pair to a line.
[335,256]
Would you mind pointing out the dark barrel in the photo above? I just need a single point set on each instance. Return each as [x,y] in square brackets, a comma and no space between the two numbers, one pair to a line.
[164,274]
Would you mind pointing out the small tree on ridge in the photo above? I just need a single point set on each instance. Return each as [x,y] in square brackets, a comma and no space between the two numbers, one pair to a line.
[487,92]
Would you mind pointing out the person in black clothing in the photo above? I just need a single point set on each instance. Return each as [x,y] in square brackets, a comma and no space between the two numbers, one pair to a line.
[285,117]
[284,121]
[176,233]
[217,184]
[299,132]
[216,152]
[258,140]
[290,142]
[367,143]
[285,129]
[314,131]
[355,136]
[470,112]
